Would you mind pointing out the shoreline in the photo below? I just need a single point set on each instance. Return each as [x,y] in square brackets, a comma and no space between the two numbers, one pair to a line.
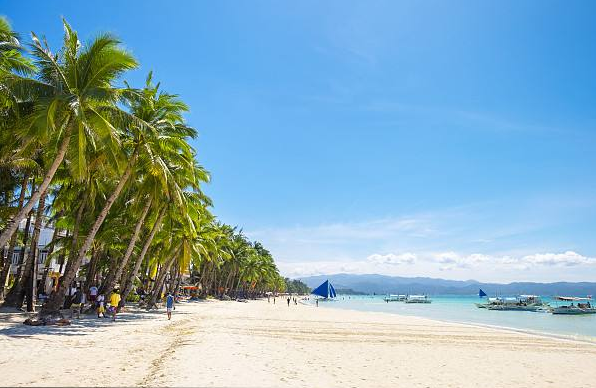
[259,344]
[566,337]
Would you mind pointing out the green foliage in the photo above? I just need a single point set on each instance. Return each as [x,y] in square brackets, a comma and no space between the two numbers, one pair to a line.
[133,298]
[295,286]
[66,123]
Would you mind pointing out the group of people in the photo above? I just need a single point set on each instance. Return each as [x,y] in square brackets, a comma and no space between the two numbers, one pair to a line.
[78,301]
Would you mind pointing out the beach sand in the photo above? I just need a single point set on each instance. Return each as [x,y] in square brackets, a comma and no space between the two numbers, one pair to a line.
[259,344]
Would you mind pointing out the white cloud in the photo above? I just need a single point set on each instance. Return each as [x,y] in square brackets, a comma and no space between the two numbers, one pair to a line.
[392,259]
[456,264]
[568,258]
[451,260]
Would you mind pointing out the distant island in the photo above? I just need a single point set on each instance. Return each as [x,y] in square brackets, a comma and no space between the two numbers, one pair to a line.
[349,291]
[382,284]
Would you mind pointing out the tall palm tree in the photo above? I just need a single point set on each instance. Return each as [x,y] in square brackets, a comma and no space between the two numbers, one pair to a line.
[75,104]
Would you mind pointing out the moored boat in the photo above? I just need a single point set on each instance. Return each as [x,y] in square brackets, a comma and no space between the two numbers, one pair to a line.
[395,298]
[519,303]
[582,306]
[418,299]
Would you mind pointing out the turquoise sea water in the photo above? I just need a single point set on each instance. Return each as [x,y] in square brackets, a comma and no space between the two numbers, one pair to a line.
[462,309]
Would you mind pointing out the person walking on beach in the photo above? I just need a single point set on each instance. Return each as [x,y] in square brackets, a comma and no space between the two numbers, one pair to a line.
[169,305]
[92,293]
[75,307]
[288,301]
[317,303]
[101,308]
[114,302]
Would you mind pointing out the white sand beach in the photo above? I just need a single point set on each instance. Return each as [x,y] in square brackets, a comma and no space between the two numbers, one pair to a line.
[258,344]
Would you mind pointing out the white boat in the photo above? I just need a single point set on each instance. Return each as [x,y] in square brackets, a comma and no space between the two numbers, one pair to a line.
[490,302]
[578,306]
[418,299]
[518,303]
[395,298]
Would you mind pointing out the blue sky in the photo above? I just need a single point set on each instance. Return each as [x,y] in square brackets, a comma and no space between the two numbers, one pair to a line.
[451,139]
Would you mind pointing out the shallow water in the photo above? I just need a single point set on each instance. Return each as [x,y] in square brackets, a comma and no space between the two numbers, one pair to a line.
[462,309]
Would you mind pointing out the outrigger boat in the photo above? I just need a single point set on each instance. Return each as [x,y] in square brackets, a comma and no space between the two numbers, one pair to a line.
[395,298]
[519,303]
[574,309]
[489,302]
[418,299]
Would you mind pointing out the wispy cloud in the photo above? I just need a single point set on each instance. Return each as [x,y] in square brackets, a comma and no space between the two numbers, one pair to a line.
[468,241]
[392,259]
[449,263]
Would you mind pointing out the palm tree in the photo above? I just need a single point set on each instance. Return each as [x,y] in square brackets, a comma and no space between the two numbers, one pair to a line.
[161,151]
[118,175]
[75,104]
[11,51]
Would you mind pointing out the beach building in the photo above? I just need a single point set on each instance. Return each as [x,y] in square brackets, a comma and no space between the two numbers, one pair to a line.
[48,271]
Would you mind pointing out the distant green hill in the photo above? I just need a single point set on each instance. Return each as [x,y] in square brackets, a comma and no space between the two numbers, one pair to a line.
[348,291]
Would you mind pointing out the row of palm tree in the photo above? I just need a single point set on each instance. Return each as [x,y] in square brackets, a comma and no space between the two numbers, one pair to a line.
[111,168]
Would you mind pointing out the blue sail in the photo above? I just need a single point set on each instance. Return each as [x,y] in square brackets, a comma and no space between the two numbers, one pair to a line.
[325,290]
[481,293]
[322,290]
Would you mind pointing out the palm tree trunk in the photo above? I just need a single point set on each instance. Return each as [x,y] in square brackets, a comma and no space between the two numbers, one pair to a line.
[92,269]
[161,279]
[13,240]
[228,279]
[62,257]
[75,232]
[135,270]
[12,295]
[17,293]
[131,245]
[35,196]
[178,283]
[174,276]
[113,265]
[57,298]
[32,288]
[19,272]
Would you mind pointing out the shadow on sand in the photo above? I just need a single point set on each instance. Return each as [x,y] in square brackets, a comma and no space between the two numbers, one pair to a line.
[87,324]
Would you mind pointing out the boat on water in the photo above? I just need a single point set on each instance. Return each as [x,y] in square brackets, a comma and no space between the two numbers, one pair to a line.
[519,303]
[489,302]
[418,299]
[395,298]
[578,306]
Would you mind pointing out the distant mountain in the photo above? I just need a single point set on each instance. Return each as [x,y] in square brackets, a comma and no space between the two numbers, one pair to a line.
[382,284]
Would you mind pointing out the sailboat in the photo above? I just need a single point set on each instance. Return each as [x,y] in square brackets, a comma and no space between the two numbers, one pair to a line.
[325,290]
